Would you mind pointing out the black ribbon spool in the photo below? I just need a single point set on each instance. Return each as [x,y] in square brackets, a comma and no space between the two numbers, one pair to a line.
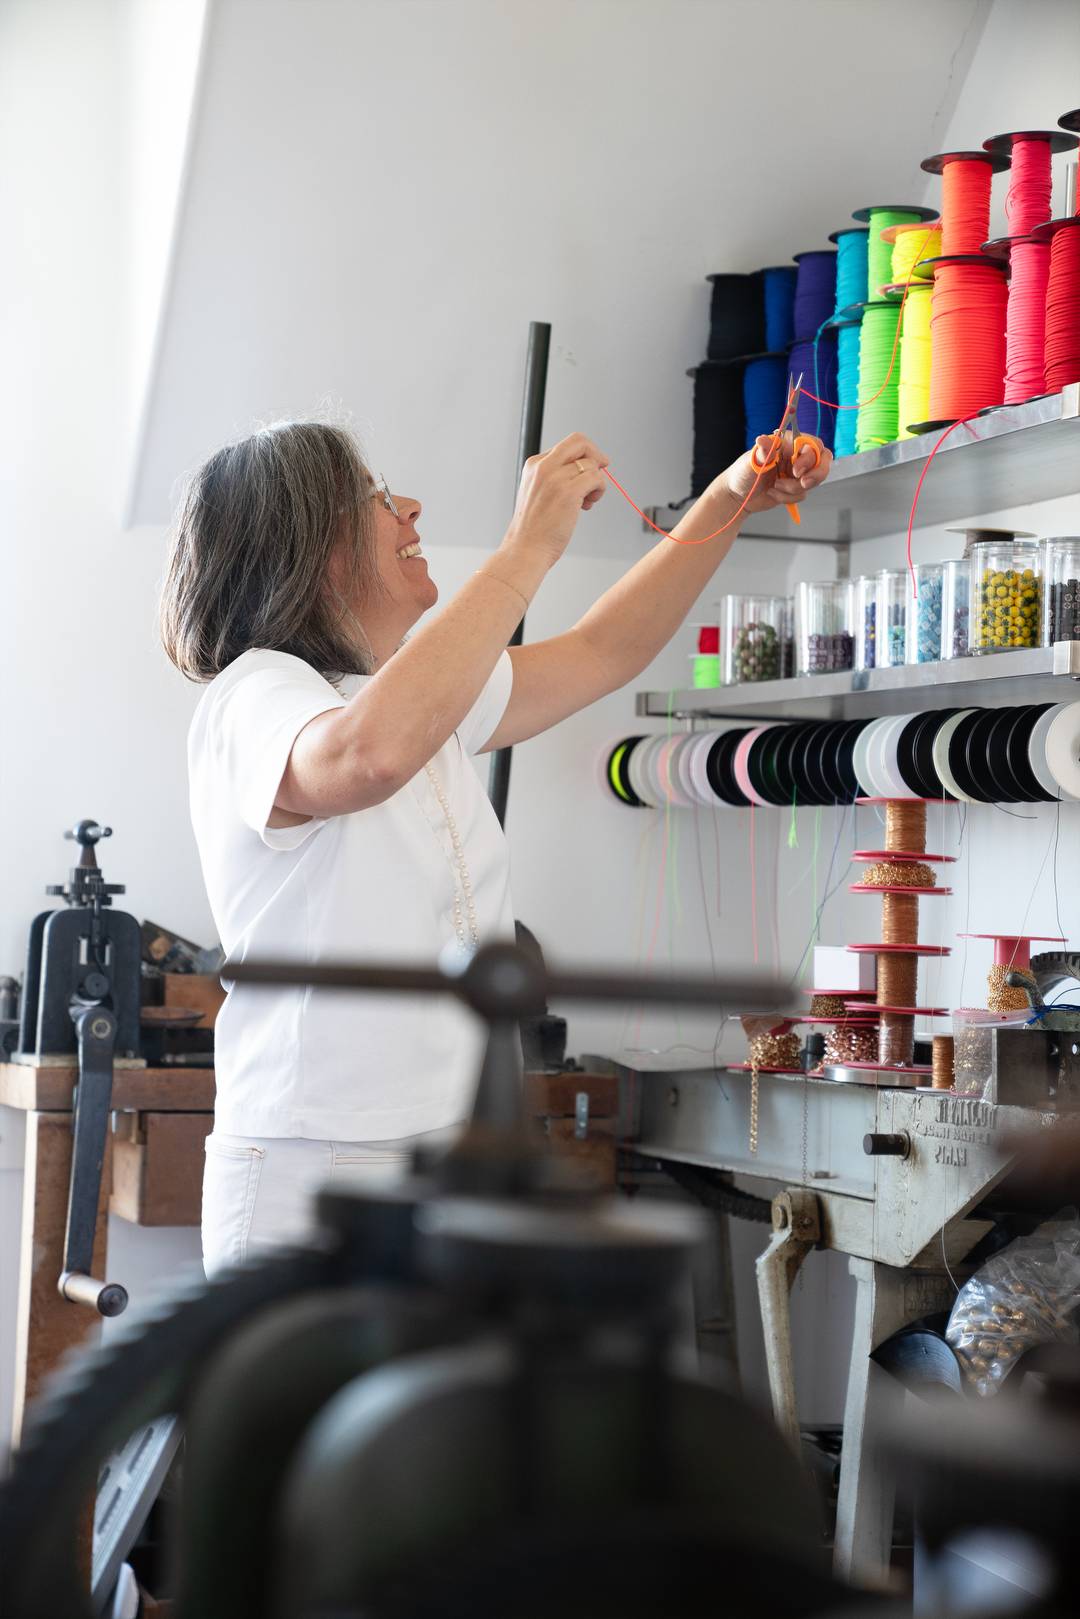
[987,762]
[736,316]
[845,759]
[1017,747]
[784,761]
[923,751]
[958,764]
[720,768]
[905,760]
[761,765]
[819,787]
[831,733]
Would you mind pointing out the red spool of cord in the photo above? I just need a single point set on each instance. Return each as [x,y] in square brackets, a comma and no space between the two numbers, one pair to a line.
[708,641]
[1027,203]
[1025,327]
[1063,303]
[967,324]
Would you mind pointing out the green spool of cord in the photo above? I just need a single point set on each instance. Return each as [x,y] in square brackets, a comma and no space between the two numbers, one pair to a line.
[879,253]
[878,420]
[707,669]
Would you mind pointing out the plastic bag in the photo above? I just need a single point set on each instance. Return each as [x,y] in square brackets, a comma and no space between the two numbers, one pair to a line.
[1022,1297]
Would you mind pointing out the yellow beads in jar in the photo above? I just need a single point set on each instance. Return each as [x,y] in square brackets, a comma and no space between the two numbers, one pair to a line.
[1009,608]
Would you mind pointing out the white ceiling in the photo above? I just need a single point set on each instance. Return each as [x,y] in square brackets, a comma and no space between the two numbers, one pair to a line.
[382,193]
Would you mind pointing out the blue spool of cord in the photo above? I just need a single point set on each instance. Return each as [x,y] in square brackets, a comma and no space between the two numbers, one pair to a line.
[851,266]
[815,292]
[816,359]
[764,394]
[847,388]
[778,286]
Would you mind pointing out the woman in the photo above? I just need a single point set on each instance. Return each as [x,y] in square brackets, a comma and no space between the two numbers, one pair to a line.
[336,811]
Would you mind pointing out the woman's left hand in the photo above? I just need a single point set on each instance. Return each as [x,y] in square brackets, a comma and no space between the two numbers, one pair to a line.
[770,488]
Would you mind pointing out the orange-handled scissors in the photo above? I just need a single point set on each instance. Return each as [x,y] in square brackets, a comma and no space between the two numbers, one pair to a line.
[787,443]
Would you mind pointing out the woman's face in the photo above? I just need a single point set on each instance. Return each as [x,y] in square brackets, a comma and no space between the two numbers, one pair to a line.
[407,589]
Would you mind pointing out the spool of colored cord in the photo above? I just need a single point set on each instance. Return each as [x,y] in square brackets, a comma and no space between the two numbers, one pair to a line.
[911,245]
[815,291]
[851,262]
[1063,308]
[816,360]
[719,422]
[778,286]
[913,396]
[967,323]
[1027,202]
[879,253]
[847,388]
[965,204]
[878,399]
[764,394]
[736,316]
[709,639]
[1025,326]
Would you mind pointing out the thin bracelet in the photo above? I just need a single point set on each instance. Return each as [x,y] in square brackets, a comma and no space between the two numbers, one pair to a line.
[485,573]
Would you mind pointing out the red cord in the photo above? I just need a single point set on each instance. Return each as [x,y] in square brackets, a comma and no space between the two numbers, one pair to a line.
[967,370]
[670,536]
[1063,310]
[1025,326]
[965,206]
[1028,200]
[918,487]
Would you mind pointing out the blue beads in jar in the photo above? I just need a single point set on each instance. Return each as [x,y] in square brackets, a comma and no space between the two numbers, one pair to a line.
[925,614]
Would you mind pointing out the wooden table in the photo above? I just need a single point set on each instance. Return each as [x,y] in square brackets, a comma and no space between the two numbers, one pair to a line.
[47,1325]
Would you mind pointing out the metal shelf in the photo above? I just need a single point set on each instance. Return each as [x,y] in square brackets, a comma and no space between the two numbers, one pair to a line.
[1043,675]
[1015,455]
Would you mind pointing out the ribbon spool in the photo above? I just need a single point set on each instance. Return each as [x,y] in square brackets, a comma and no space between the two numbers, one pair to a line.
[879,217]
[1029,152]
[1028,258]
[1062,334]
[967,325]
[1012,953]
[965,197]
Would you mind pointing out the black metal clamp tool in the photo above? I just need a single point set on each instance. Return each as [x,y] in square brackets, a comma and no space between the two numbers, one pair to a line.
[81,997]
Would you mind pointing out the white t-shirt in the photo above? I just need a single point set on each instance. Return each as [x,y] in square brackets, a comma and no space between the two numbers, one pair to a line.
[374,885]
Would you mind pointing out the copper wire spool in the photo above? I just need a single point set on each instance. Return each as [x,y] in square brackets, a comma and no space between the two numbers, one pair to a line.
[905,825]
[897,977]
[898,874]
[896,1040]
[1002,997]
[942,1057]
[900,922]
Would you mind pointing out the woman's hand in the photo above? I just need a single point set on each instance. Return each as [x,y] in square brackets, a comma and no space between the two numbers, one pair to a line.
[555,489]
[770,488]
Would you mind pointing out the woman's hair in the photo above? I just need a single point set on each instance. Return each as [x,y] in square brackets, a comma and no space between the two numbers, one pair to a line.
[249,563]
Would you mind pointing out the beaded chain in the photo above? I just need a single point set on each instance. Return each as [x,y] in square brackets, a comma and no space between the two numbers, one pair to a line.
[463,883]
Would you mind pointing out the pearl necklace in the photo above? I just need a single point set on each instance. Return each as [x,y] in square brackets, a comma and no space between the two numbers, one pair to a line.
[460,868]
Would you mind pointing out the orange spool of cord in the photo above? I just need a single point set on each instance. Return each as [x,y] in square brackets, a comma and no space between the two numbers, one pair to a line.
[967,358]
[965,197]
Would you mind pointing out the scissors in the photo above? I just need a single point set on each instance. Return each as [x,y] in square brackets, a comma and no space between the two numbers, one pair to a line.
[787,442]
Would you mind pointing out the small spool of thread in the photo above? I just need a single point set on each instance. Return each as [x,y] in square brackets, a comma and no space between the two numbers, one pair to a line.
[913,393]
[709,638]
[896,1041]
[905,825]
[1003,997]
[900,919]
[942,1052]
[775,1051]
[898,874]
[897,977]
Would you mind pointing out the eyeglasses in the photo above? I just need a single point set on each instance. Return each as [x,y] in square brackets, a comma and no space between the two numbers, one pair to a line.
[381,492]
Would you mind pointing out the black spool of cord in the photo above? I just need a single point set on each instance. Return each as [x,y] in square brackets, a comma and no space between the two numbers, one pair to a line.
[736,316]
[719,421]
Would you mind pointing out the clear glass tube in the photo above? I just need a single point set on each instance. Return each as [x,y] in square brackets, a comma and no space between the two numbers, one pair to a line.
[955,608]
[865,593]
[824,642]
[894,593]
[1006,595]
[924,613]
[1061,589]
[751,638]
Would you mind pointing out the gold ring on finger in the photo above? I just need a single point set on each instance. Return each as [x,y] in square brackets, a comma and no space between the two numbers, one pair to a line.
[581,466]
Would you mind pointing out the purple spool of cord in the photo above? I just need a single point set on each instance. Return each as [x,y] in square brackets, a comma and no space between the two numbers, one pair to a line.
[815,418]
[815,291]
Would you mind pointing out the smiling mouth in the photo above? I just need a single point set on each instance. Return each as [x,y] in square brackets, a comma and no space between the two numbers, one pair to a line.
[408,551]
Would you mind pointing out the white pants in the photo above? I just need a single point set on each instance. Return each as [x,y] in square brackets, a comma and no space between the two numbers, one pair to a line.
[258,1191]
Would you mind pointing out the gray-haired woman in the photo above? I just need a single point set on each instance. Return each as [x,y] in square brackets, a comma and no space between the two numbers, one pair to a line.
[335,809]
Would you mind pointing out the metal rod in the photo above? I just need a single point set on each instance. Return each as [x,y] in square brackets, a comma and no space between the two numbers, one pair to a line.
[532,424]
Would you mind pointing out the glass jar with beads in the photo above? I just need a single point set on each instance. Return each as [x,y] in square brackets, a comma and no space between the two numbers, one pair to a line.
[824,638]
[956,608]
[752,638]
[1061,589]
[925,619]
[1006,595]
[893,595]
[787,662]
[865,593]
